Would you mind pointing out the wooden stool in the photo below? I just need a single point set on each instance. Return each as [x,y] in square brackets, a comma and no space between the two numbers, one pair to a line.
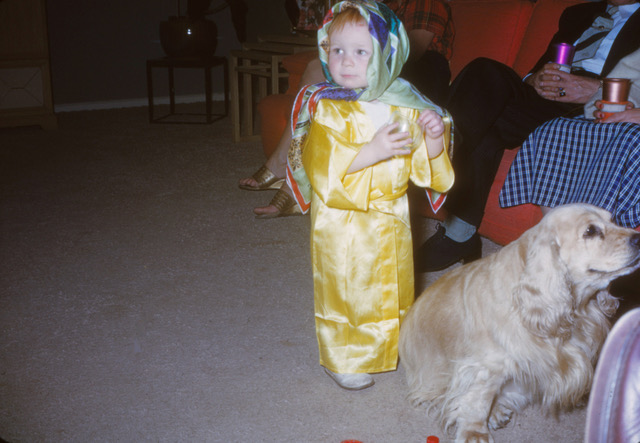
[263,60]
[265,66]
[206,63]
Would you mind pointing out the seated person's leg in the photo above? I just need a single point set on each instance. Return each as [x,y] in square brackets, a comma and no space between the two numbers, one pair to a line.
[276,163]
[283,203]
[430,74]
[493,110]
[574,160]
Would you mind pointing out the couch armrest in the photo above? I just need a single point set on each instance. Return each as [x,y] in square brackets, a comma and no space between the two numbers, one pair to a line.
[503,225]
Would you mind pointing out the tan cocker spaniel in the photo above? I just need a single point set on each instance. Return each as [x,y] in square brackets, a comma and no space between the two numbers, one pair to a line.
[522,326]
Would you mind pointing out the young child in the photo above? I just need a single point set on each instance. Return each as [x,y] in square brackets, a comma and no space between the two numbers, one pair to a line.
[352,169]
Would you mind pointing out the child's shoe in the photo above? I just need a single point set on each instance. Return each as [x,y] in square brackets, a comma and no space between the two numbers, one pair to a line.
[352,382]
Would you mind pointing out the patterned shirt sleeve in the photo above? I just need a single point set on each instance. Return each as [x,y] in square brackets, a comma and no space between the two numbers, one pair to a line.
[430,15]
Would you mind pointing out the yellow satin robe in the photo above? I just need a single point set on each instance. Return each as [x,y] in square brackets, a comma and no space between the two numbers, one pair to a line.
[361,247]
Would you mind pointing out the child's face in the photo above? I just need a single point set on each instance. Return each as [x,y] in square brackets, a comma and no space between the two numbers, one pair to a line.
[349,52]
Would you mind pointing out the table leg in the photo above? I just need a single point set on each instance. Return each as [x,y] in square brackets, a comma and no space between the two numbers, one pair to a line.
[235,97]
[208,93]
[150,90]
[247,109]
[262,89]
[172,93]
[226,87]
[275,80]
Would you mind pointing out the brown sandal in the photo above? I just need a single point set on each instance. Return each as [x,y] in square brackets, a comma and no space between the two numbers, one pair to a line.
[286,205]
[266,181]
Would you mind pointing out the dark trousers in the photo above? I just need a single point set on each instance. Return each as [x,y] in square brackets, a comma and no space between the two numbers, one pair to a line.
[430,74]
[493,110]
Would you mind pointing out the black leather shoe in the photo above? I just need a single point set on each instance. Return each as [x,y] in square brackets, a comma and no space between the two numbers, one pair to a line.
[439,251]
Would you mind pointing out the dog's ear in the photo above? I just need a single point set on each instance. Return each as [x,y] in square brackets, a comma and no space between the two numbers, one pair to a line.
[543,295]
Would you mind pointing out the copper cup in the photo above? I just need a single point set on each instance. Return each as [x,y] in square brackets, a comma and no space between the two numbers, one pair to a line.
[616,90]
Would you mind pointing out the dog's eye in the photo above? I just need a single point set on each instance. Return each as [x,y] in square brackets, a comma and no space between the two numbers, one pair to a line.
[592,231]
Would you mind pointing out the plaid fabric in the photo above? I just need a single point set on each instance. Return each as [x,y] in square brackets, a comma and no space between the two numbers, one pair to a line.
[579,161]
[430,15]
[311,14]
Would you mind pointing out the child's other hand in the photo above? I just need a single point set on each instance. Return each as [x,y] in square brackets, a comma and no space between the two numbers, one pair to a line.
[431,123]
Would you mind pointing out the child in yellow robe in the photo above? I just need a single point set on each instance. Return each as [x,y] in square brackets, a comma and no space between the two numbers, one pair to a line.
[352,168]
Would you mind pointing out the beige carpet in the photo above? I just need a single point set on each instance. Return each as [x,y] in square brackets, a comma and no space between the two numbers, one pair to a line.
[140,300]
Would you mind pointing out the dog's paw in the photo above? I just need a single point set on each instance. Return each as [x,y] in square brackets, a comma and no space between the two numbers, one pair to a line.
[473,436]
[500,417]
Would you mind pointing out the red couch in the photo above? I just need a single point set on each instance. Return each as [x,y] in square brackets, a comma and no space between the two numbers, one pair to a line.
[514,32]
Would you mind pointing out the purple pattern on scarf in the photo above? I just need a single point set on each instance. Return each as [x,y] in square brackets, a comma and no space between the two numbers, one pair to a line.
[378,28]
[334,92]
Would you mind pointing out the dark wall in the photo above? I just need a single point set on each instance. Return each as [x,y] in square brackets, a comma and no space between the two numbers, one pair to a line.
[98,49]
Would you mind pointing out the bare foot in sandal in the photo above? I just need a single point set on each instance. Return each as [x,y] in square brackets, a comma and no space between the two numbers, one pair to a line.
[282,205]
[248,182]
[262,180]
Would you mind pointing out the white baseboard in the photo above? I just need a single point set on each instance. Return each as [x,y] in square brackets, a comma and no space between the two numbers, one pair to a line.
[132,103]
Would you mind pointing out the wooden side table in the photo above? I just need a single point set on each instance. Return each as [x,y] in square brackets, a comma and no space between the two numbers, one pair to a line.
[205,63]
[25,71]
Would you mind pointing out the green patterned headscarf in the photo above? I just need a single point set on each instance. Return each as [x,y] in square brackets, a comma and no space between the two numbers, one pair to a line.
[390,52]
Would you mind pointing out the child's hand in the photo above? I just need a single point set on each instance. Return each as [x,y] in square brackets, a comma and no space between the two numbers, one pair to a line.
[385,144]
[433,128]
[431,123]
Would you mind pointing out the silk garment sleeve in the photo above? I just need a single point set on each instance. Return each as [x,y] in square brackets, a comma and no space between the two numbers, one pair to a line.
[433,173]
[338,132]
